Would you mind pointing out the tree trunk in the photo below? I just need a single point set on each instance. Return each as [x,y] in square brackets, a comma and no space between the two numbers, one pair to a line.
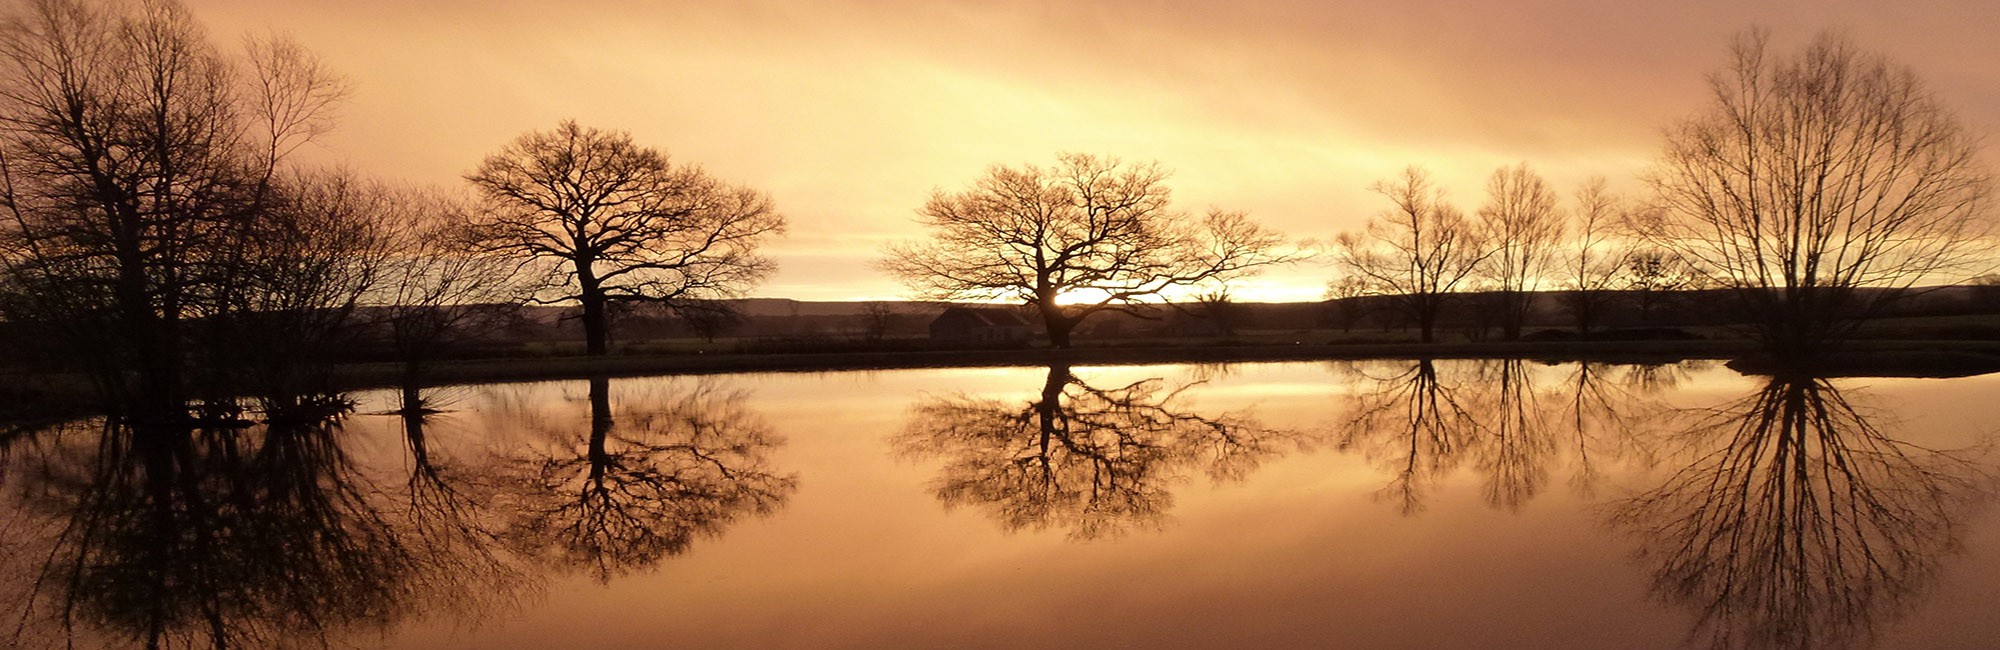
[1055,321]
[596,331]
[1049,409]
[1515,316]
[600,428]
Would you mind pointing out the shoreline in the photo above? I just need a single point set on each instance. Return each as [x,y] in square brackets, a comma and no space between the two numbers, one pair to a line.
[38,394]
[1898,358]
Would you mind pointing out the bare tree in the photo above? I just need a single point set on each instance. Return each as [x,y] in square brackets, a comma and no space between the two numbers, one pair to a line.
[298,279]
[1820,186]
[1415,253]
[437,291]
[1088,235]
[876,319]
[1654,275]
[1591,266]
[135,163]
[608,220]
[1220,308]
[1523,227]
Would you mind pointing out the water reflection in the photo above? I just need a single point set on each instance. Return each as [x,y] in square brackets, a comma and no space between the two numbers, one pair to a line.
[178,536]
[275,534]
[1421,420]
[1797,522]
[1092,461]
[639,484]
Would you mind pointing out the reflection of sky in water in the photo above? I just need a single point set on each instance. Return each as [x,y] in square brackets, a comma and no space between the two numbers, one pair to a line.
[1303,552]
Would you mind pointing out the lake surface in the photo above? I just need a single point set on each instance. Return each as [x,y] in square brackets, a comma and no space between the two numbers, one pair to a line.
[1381,504]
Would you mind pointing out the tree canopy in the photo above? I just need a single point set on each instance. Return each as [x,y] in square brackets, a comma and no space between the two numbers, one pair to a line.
[1087,235]
[608,220]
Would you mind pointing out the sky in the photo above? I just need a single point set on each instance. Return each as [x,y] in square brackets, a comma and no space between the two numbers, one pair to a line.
[850,114]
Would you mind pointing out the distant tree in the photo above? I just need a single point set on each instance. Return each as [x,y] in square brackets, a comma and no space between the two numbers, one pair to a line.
[1220,308]
[1344,300]
[877,318]
[1653,275]
[1819,186]
[1086,236]
[1415,253]
[1523,228]
[608,220]
[1591,266]
[1986,293]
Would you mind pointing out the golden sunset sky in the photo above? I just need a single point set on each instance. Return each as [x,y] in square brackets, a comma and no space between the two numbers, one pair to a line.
[851,113]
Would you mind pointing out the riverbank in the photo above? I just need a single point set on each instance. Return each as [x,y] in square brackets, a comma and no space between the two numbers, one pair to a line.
[28,394]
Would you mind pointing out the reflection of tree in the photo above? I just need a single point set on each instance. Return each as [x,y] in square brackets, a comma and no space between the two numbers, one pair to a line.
[446,508]
[642,483]
[1519,444]
[253,536]
[1413,421]
[1798,523]
[1093,461]
[1420,420]
[1602,411]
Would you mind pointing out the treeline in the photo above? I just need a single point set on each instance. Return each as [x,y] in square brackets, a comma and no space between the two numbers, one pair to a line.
[163,239]
[1818,189]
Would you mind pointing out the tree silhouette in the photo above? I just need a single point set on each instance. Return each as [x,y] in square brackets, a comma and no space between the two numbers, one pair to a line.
[1416,253]
[1820,186]
[142,174]
[639,485]
[1797,523]
[1523,227]
[1094,462]
[609,220]
[1089,235]
[1589,269]
[263,536]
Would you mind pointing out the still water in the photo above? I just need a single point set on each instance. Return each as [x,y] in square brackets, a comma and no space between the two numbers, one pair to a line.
[1381,504]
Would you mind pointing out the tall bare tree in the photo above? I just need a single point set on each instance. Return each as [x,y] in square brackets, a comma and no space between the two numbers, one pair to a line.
[1086,236]
[322,246]
[608,220]
[1821,185]
[136,161]
[436,290]
[1589,269]
[1416,252]
[1523,227]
